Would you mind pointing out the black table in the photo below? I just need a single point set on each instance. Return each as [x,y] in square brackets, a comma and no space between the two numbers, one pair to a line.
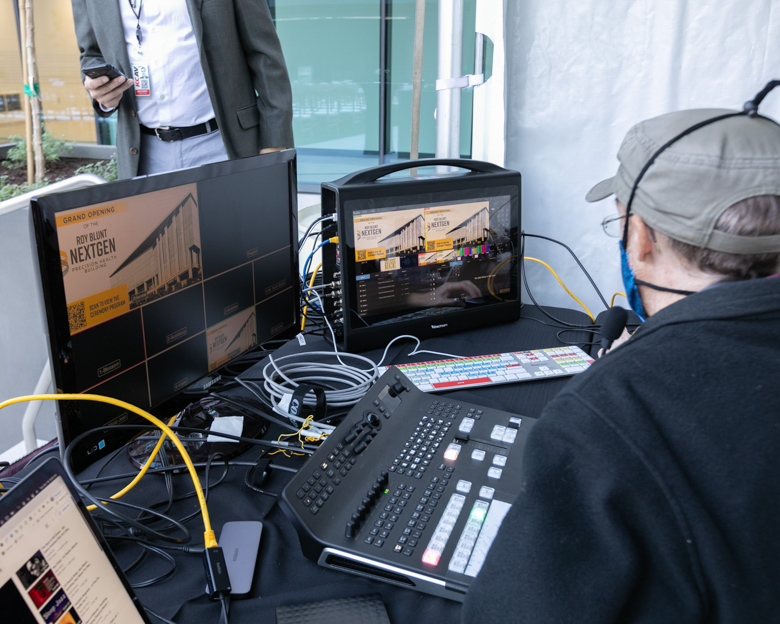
[283,574]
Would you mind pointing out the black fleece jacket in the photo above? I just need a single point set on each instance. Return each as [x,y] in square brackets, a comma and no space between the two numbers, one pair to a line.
[652,482]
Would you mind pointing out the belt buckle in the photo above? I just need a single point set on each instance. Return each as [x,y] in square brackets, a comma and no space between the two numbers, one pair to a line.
[164,129]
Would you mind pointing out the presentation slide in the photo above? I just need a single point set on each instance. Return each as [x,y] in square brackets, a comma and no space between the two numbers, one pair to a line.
[434,234]
[123,254]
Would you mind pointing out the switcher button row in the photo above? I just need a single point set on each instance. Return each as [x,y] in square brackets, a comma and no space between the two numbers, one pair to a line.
[366,505]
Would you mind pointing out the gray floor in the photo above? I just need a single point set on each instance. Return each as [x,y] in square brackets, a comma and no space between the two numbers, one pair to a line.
[23,345]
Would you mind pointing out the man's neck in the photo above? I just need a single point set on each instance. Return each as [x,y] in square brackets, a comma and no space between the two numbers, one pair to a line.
[672,274]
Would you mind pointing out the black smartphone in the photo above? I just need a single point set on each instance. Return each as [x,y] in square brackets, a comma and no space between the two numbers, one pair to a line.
[94,71]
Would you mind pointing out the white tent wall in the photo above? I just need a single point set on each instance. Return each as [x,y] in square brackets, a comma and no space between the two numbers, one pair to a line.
[580,74]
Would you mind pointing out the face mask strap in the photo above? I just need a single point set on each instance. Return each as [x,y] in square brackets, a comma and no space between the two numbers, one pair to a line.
[663,288]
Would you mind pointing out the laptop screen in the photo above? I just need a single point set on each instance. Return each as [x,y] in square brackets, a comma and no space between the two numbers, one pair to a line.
[54,567]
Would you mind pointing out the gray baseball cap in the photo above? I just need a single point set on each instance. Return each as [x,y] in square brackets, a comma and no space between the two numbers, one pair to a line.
[690,184]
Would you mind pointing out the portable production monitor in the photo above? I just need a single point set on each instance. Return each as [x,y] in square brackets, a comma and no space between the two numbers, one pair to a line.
[422,255]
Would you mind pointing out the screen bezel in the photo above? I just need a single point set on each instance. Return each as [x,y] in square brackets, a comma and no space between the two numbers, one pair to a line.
[44,211]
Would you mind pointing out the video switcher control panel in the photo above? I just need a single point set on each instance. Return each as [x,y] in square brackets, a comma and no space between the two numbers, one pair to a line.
[410,488]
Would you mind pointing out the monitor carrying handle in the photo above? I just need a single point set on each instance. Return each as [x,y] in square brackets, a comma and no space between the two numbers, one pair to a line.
[366,176]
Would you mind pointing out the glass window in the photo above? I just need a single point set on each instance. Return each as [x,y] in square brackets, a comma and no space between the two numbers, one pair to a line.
[350,64]
[344,118]
[401,24]
[332,55]
[11,82]
[13,102]
[106,130]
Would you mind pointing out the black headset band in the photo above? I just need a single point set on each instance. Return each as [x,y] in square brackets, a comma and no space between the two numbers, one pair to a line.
[749,109]
[662,149]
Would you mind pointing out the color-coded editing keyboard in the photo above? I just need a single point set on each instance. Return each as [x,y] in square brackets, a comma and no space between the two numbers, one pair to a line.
[499,368]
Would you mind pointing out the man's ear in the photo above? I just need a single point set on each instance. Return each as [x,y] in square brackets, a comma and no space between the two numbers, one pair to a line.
[641,239]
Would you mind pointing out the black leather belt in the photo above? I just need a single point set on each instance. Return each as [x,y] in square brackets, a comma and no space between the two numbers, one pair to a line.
[166,133]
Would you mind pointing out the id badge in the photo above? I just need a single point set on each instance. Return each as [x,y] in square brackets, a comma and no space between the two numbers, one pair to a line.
[141,81]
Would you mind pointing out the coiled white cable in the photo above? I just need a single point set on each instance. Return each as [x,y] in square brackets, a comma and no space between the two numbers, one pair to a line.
[344,385]
[347,384]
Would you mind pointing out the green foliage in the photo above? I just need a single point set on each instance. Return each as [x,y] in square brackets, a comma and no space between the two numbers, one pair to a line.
[7,191]
[106,169]
[53,148]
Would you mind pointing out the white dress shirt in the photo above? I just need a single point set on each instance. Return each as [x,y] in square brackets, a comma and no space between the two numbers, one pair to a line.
[168,49]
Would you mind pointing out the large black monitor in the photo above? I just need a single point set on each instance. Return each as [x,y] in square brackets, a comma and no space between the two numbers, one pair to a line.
[153,283]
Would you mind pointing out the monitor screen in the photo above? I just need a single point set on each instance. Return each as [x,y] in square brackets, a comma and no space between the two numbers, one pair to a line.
[430,259]
[153,283]
[422,255]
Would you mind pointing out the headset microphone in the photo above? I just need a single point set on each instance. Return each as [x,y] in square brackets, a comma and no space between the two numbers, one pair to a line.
[612,325]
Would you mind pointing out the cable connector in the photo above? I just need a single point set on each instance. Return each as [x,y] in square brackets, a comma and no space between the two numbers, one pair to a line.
[216,573]
[209,538]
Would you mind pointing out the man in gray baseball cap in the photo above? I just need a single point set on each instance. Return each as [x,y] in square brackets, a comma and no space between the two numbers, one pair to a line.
[651,483]
[705,192]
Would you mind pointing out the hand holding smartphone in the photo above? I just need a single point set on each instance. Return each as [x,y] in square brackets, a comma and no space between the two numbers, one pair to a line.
[104,69]
[108,94]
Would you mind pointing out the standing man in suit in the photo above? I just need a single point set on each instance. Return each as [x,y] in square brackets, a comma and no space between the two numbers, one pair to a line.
[206,80]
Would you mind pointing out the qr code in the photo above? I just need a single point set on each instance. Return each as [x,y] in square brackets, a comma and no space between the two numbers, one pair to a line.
[77,317]
[391,264]
[361,256]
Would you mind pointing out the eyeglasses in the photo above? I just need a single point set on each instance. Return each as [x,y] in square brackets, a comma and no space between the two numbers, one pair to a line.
[611,225]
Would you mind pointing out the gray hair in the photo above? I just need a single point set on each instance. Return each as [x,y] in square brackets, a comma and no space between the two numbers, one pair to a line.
[754,216]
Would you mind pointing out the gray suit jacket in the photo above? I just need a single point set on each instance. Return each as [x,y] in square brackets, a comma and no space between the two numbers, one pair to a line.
[241,58]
